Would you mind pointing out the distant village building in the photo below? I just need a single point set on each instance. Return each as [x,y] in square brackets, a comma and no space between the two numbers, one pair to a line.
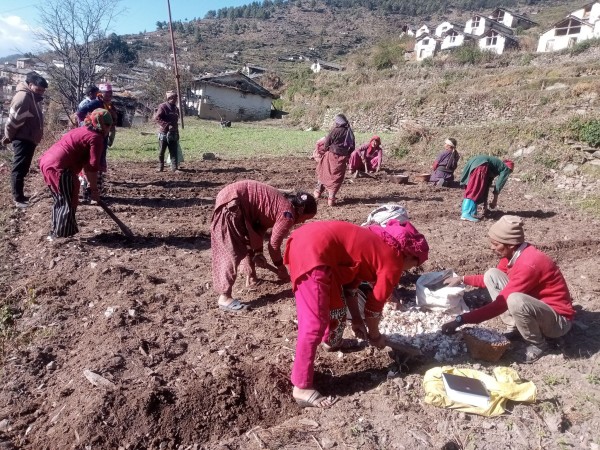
[319,65]
[566,33]
[511,19]
[25,63]
[445,26]
[426,46]
[455,38]
[407,30]
[421,31]
[250,70]
[580,25]
[232,97]
[478,25]
[497,41]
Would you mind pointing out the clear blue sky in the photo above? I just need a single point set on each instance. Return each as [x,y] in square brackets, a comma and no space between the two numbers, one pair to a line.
[16,19]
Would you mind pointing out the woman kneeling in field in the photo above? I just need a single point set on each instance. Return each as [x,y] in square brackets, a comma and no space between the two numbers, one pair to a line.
[327,261]
[244,211]
[79,149]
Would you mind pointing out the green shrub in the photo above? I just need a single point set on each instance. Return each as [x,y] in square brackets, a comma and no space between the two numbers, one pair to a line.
[471,55]
[586,131]
[388,55]
[582,46]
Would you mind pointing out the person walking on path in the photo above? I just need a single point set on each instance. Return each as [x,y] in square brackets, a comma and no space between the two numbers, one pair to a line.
[77,150]
[528,291]
[333,159]
[327,262]
[244,211]
[167,118]
[477,178]
[445,164]
[25,129]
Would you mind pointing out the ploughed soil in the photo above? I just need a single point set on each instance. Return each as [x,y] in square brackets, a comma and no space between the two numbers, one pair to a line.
[178,373]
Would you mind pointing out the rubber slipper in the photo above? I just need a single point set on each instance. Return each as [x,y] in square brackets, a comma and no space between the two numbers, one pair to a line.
[234,306]
[315,400]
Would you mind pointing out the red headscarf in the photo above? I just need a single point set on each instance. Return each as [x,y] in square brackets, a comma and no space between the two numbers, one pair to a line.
[509,164]
[404,238]
[371,146]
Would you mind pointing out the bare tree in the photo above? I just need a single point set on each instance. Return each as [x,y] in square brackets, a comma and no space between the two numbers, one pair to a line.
[76,32]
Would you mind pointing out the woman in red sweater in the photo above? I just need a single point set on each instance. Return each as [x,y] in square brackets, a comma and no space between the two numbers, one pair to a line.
[528,291]
[244,211]
[327,261]
[79,149]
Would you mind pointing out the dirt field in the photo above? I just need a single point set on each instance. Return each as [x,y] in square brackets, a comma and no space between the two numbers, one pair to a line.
[183,374]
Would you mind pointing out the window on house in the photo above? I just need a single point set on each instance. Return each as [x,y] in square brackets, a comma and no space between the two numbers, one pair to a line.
[452,38]
[568,28]
[550,45]
[572,42]
[500,17]
[491,40]
[475,22]
[425,41]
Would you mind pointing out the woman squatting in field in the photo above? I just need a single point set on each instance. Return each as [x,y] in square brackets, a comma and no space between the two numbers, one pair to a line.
[327,262]
[244,211]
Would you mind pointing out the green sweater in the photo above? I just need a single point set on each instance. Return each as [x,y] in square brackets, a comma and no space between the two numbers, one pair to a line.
[496,168]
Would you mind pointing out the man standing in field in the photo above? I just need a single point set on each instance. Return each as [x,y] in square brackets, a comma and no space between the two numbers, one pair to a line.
[25,129]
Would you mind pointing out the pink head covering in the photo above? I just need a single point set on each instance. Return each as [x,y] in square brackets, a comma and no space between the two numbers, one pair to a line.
[404,238]
[509,164]
[105,87]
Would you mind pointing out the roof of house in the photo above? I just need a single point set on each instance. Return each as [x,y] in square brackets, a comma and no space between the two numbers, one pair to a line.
[509,37]
[458,31]
[576,19]
[518,16]
[253,67]
[237,81]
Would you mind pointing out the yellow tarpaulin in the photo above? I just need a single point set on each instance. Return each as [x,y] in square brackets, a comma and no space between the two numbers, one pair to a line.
[503,386]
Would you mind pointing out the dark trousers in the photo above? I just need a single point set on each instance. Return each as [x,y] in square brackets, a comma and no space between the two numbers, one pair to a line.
[23,151]
[171,143]
[64,207]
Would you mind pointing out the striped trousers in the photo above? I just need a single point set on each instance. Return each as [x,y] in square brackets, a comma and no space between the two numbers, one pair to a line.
[64,207]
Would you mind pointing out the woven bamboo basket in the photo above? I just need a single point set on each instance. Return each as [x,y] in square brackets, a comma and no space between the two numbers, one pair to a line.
[484,350]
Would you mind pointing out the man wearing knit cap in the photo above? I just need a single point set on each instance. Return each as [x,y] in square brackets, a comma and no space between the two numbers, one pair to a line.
[528,291]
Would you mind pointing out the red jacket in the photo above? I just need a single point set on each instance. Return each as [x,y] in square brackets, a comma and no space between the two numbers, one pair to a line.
[353,253]
[534,274]
[80,148]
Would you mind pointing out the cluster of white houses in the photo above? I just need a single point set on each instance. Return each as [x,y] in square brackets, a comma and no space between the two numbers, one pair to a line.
[496,32]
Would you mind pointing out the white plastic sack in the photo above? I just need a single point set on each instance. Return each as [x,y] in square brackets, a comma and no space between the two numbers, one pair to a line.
[433,294]
[387,212]
[179,155]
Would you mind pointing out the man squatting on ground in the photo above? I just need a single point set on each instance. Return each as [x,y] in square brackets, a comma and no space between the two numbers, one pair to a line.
[528,291]
[24,129]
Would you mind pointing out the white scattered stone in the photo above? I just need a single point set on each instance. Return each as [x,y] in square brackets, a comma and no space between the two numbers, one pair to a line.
[110,311]
[51,365]
[570,168]
[4,423]
[98,380]
[93,265]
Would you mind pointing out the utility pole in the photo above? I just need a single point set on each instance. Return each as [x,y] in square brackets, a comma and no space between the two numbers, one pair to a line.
[175,63]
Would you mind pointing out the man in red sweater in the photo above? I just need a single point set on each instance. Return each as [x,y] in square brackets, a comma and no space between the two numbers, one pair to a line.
[528,291]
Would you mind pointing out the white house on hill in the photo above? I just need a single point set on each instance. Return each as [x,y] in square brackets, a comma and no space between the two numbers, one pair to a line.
[479,25]
[421,31]
[231,96]
[455,38]
[566,33]
[497,41]
[511,19]
[426,46]
[445,26]
[590,12]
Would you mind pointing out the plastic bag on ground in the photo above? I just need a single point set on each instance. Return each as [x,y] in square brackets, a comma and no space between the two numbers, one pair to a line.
[433,294]
[384,213]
